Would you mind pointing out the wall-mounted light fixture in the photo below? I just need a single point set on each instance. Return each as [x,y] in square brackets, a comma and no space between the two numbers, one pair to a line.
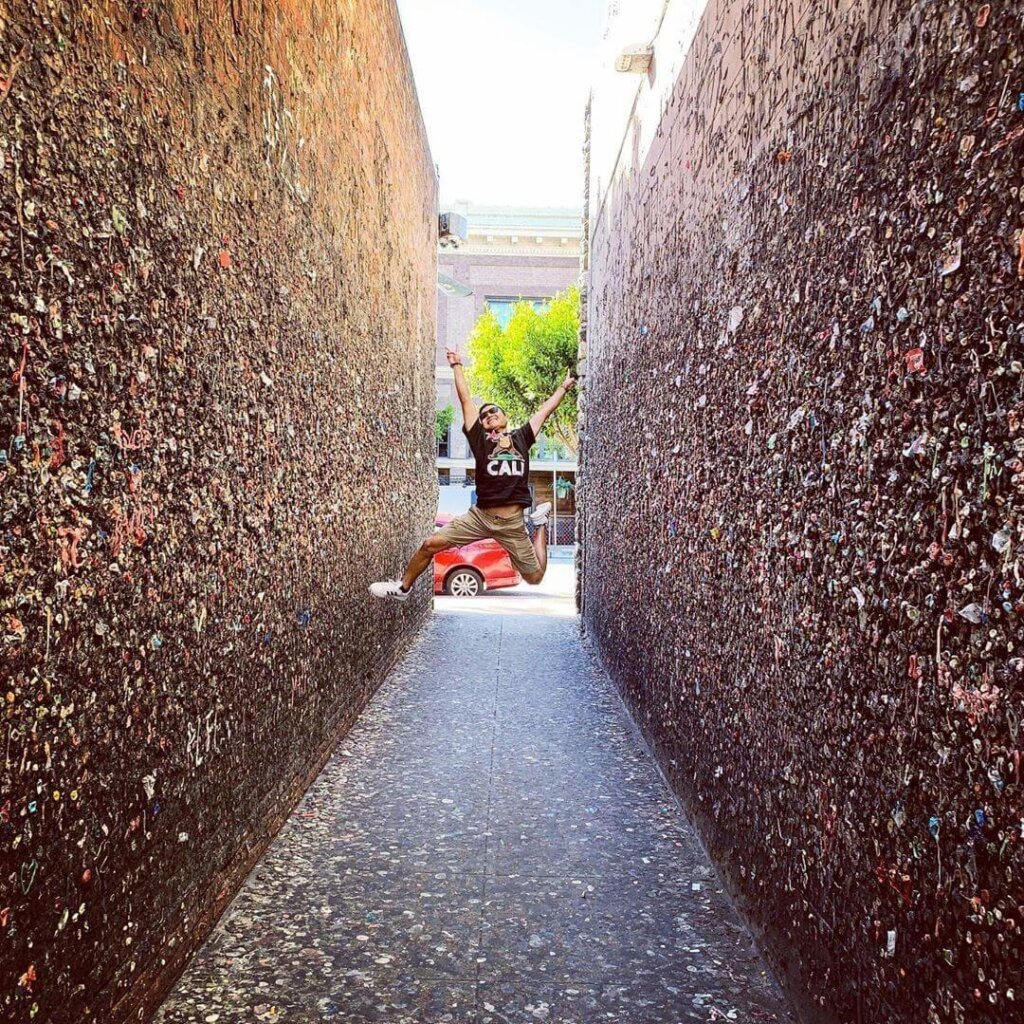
[452,287]
[635,60]
[452,228]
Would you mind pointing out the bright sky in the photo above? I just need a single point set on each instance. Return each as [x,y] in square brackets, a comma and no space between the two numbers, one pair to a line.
[503,85]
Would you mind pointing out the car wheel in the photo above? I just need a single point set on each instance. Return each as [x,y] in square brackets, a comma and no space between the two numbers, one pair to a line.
[464,583]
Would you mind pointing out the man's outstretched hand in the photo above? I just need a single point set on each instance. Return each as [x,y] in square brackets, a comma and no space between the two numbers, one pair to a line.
[538,419]
[454,359]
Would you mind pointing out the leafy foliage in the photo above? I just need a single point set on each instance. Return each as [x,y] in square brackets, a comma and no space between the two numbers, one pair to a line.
[443,419]
[519,367]
[564,486]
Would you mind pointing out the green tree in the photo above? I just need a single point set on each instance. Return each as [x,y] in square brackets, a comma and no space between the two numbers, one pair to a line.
[520,366]
[443,420]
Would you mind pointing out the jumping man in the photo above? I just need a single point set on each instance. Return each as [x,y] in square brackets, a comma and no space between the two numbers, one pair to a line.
[502,494]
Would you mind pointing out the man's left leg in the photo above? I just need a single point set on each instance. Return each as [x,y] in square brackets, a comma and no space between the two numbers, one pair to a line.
[532,562]
[540,547]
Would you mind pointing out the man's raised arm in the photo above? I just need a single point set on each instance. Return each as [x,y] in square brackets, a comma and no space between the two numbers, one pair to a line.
[469,410]
[538,418]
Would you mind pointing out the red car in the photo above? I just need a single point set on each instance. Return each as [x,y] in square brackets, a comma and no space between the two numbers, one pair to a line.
[466,571]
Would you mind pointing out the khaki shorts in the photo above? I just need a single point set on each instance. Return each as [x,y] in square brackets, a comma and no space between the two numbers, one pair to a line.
[508,531]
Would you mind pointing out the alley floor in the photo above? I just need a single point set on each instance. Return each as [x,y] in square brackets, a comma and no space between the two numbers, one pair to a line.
[490,843]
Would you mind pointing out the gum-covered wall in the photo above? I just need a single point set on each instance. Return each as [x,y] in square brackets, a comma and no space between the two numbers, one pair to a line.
[804,485]
[218,234]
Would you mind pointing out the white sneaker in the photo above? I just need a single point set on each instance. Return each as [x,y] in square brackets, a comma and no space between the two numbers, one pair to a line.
[539,516]
[390,588]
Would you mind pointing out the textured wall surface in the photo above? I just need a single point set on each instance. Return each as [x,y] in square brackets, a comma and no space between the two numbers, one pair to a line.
[218,234]
[804,484]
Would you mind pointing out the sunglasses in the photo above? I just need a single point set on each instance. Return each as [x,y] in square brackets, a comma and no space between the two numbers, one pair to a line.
[491,411]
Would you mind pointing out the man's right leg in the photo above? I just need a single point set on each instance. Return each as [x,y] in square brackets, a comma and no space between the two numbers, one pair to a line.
[462,530]
[399,590]
[422,559]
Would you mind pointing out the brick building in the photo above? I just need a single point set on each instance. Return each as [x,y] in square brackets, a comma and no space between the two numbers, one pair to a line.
[510,254]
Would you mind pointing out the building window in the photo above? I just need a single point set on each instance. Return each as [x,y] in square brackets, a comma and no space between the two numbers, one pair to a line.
[444,477]
[502,308]
[444,444]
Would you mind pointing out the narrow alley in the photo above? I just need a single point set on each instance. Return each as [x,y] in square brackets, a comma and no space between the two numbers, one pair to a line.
[490,843]
[720,300]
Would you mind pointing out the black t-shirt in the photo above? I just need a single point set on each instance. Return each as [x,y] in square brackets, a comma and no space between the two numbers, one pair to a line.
[502,465]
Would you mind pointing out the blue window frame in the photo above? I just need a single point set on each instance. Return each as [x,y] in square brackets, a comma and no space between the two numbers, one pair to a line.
[502,308]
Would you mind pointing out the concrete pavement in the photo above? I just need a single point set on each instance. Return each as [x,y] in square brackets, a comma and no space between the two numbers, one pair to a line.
[491,843]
